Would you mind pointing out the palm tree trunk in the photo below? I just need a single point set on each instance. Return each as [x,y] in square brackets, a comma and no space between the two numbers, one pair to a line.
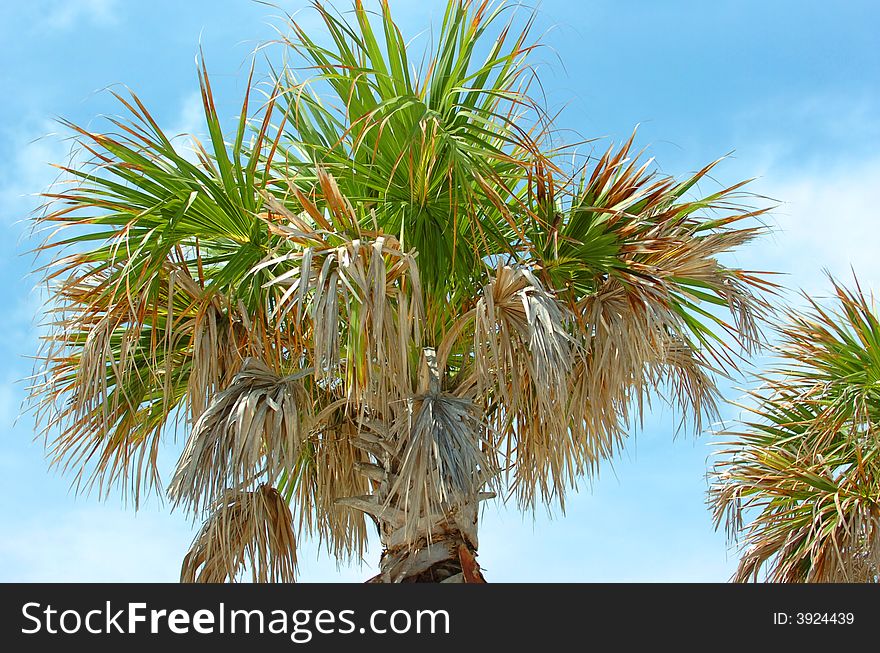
[445,552]
[439,545]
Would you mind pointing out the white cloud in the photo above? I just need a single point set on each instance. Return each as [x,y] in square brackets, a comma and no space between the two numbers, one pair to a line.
[782,128]
[815,156]
[827,218]
[65,14]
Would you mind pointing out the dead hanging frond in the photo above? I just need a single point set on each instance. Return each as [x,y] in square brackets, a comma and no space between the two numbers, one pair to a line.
[113,367]
[637,343]
[253,428]
[621,340]
[221,341]
[362,296]
[544,454]
[521,340]
[524,356]
[330,469]
[440,442]
[631,342]
[245,530]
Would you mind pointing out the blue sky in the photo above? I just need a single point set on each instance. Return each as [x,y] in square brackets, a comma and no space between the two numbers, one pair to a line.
[792,88]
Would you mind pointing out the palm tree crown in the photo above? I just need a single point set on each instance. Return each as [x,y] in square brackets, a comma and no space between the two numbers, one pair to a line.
[385,294]
[803,466]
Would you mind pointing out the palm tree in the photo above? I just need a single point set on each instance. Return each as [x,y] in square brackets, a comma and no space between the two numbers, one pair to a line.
[385,299]
[804,466]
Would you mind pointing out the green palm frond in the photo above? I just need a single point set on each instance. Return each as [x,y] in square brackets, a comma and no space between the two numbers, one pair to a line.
[440,155]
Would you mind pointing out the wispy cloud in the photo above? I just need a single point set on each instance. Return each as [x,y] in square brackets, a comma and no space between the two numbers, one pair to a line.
[190,122]
[66,14]
[827,218]
[28,170]
[789,131]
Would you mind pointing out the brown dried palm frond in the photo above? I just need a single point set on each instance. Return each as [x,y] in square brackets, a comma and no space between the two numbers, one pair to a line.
[113,368]
[221,341]
[523,359]
[329,469]
[245,530]
[656,317]
[254,427]
[521,340]
[361,296]
[636,342]
[545,454]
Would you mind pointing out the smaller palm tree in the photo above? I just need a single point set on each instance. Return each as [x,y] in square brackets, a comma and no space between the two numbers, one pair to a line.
[804,467]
